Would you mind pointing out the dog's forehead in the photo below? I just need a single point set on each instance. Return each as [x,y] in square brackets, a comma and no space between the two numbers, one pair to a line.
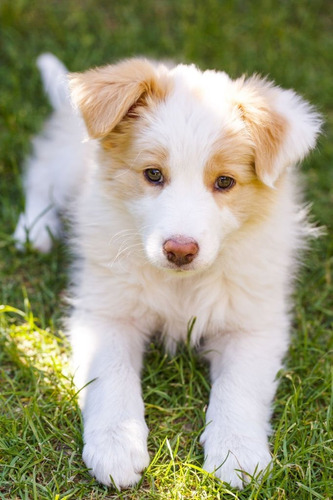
[194,116]
[198,99]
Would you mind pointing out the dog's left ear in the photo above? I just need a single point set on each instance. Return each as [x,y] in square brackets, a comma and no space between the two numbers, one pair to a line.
[282,126]
[106,95]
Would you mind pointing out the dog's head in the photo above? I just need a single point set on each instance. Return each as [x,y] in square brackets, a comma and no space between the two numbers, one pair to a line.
[194,156]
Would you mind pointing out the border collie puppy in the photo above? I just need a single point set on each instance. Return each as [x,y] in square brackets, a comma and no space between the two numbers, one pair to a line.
[184,204]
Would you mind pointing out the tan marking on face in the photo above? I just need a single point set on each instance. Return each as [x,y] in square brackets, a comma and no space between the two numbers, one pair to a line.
[250,200]
[233,157]
[251,203]
[123,170]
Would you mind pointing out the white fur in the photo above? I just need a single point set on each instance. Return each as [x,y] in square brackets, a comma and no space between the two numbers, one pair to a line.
[237,288]
[57,163]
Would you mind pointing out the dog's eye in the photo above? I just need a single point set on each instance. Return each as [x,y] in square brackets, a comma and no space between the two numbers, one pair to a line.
[224,183]
[154,175]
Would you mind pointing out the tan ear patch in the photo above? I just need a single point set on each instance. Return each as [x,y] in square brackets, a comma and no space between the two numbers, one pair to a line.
[266,127]
[267,131]
[105,95]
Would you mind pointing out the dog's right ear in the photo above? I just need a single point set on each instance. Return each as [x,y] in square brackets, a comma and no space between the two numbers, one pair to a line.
[282,126]
[105,95]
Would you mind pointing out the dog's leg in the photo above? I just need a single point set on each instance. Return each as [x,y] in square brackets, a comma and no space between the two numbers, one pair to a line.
[39,223]
[108,359]
[243,371]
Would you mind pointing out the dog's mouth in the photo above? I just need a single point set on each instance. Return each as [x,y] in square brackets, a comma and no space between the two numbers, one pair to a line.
[172,268]
[186,269]
[183,270]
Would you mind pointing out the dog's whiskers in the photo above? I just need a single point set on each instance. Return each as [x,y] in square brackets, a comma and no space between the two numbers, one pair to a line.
[123,172]
[126,251]
[125,233]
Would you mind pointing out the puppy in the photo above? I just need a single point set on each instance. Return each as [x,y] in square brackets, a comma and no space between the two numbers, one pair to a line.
[185,205]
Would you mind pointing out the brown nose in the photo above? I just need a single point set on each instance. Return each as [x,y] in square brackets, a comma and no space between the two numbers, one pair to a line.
[180,250]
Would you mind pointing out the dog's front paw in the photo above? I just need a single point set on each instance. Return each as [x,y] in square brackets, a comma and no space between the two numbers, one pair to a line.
[117,455]
[234,459]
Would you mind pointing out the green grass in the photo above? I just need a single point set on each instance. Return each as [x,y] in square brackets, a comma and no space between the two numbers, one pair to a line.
[40,426]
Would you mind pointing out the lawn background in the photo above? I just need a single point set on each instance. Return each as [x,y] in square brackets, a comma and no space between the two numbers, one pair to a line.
[40,443]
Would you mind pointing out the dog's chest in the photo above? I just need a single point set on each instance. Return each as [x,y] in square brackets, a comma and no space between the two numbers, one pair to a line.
[176,303]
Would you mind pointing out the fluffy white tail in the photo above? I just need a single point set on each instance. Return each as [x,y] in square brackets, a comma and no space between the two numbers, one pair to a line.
[54,77]
[57,164]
